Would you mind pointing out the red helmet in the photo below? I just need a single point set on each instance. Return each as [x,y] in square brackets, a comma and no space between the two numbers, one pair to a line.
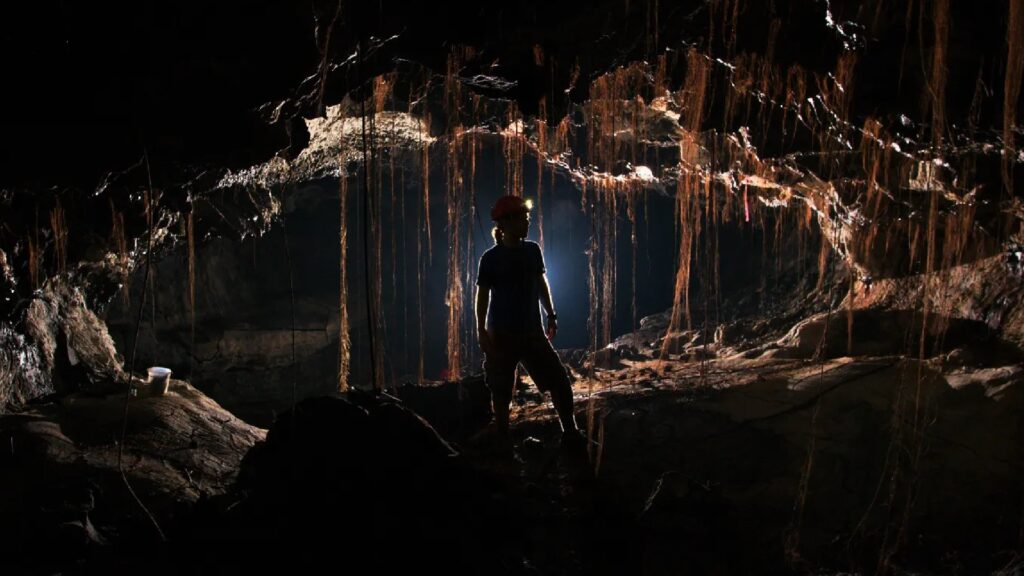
[509,205]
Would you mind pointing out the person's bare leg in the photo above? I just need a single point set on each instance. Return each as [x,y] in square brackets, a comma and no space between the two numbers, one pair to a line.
[550,374]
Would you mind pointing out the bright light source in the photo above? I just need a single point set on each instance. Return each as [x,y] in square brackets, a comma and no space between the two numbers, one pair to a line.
[529,204]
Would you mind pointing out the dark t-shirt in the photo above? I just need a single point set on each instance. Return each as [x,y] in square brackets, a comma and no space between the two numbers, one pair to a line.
[513,275]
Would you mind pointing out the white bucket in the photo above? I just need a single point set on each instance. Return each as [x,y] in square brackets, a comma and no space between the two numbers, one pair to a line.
[159,380]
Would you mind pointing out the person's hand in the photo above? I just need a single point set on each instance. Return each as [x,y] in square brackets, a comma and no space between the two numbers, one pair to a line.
[552,327]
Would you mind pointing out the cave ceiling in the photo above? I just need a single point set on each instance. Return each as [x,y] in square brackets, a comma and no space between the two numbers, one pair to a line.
[877,115]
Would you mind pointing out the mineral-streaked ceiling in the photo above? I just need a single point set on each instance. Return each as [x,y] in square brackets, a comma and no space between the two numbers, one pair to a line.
[891,125]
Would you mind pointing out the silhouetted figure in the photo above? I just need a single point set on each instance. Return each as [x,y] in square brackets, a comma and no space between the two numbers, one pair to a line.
[510,281]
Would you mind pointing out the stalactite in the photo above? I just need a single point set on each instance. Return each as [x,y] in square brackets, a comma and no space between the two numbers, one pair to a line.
[631,215]
[688,210]
[405,278]
[454,293]
[514,144]
[392,153]
[372,245]
[842,96]
[823,252]
[455,209]
[693,93]
[60,237]
[553,182]
[730,24]
[191,238]
[1011,89]
[958,228]
[542,128]
[638,105]
[149,203]
[874,152]
[661,80]
[681,295]
[835,93]
[763,227]
[599,119]
[796,98]
[358,256]
[712,6]
[425,177]
[657,25]
[422,214]
[560,143]
[913,236]
[469,271]
[709,270]
[740,81]
[890,233]
[769,51]
[592,285]
[381,94]
[601,254]
[803,218]
[926,304]
[907,19]
[649,43]
[778,242]
[608,264]
[344,339]
[937,82]
[613,98]
[977,102]
[377,266]
[746,205]
[120,245]
[33,262]
[771,89]
[850,296]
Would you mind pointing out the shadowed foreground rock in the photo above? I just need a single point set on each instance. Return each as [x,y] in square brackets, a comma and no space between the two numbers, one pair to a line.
[356,481]
[62,498]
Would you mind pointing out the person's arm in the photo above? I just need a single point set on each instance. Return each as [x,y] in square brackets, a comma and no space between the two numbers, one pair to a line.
[549,306]
[483,299]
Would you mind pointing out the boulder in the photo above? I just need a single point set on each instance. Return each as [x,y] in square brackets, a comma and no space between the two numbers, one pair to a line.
[363,478]
[60,476]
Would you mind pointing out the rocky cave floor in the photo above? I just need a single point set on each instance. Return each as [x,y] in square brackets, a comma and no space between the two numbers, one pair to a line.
[744,453]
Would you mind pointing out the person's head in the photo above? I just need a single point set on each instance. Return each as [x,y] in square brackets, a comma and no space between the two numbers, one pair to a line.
[511,215]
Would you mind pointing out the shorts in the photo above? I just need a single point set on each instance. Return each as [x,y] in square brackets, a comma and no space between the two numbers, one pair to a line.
[536,354]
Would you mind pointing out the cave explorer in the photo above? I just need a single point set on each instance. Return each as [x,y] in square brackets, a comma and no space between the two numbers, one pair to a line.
[510,281]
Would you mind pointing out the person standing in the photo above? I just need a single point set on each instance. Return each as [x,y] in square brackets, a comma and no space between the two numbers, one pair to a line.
[510,281]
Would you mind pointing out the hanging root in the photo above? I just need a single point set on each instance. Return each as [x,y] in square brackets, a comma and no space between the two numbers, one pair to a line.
[344,339]
[1011,88]
[60,237]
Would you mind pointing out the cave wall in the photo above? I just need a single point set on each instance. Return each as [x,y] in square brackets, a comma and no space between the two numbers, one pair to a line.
[906,165]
